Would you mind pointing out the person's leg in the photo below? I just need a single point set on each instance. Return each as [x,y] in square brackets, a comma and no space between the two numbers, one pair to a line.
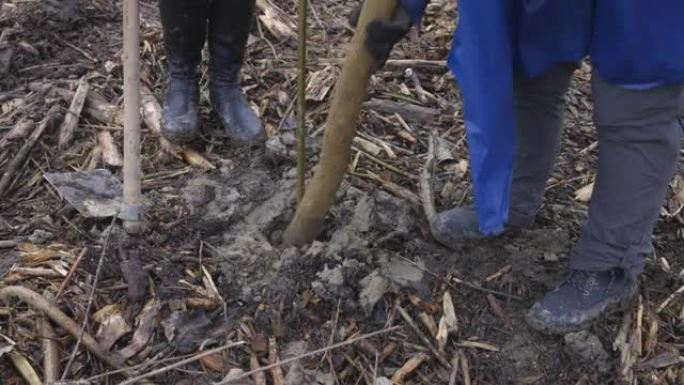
[185,28]
[228,32]
[539,121]
[639,135]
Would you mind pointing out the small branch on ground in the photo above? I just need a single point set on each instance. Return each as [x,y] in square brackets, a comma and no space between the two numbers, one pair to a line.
[68,127]
[274,360]
[669,299]
[23,153]
[70,274]
[40,303]
[407,318]
[50,351]
[96,279]
[111,154]
[409,367]
[178,364]
[426,195]
[310,354]
[408,111]
[465,367]
[254,366]
[394,188]
[454,370]
[461,282]
[420,91]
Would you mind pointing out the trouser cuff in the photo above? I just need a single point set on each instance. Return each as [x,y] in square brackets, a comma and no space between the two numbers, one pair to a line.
[592,254]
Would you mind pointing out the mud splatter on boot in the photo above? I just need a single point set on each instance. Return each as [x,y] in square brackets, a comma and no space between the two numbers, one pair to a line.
[581,299]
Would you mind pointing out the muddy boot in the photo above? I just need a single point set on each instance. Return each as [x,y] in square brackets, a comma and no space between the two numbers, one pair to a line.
[580,300]
[185,24]
[639,139]
[539,119]
[453,227]
[228,31]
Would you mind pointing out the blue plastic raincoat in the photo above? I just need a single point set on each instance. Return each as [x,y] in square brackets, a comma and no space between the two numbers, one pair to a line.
[632,43]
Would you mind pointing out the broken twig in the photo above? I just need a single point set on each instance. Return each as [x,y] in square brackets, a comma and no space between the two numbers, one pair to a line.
[310,354]
[259,375]
[669,299]
[440,358]
[394,188]
[23,153]
[274,359]
[177,364]
[420,91]
[96,279]
[40,303]
[66,130]
[110,151]
[20,130]
[408,111]
[50,351]
[463,283]
[426,196]
[70,274]
[465,367]
[409,367]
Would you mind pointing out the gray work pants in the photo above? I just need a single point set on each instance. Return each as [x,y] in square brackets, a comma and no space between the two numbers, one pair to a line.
[639,139]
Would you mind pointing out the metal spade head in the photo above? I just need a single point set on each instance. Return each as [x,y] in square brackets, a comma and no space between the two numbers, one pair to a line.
[95,194]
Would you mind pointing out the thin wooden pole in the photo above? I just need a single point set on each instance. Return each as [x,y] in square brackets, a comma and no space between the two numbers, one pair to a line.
[340,128]
[301,100]
[132,207]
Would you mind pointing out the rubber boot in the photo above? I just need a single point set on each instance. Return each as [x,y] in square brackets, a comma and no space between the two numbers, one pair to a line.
[539,120]
[185,28]
[581,299]
[228,32]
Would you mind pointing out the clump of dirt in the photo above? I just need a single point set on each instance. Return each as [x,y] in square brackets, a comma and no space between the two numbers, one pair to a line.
[588,347]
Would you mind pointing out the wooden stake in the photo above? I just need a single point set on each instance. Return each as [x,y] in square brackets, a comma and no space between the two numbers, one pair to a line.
[301,101]
[131,211]
[350,92]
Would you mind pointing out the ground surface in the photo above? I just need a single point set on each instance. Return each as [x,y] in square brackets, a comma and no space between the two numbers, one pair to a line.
[210,268]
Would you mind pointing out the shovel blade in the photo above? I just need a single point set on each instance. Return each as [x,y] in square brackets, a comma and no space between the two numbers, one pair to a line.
[94,194]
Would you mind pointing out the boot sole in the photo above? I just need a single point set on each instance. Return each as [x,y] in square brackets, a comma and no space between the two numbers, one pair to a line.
[612,308]
[180,139]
